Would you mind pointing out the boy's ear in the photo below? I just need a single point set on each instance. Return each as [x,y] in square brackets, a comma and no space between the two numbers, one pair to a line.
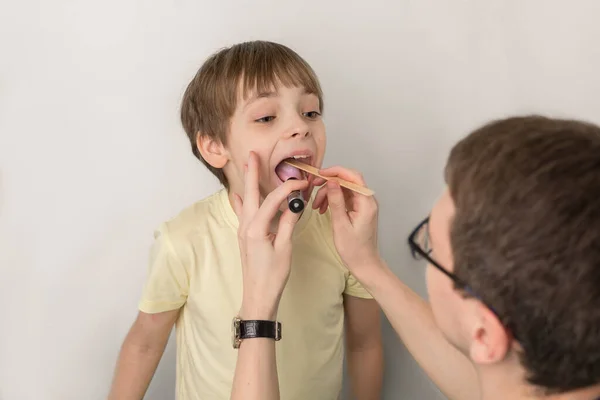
[212,150]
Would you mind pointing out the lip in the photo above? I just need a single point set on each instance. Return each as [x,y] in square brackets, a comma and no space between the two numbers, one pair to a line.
[306,154]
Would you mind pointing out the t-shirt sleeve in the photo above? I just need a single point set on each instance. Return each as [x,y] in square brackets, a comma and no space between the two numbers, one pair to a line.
[354,288]
[168,279]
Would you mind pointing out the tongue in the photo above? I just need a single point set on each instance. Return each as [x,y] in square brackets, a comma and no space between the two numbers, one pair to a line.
[285,171]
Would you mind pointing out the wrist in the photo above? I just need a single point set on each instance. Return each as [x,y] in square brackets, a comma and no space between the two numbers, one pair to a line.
[243,329]
[370,272]
[259,310]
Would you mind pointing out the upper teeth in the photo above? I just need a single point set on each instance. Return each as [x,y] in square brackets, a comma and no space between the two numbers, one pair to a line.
[296,157]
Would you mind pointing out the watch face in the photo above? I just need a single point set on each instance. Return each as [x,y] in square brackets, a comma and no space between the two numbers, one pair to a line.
[235,332]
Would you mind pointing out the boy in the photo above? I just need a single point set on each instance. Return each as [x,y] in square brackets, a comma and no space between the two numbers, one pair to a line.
[260,97]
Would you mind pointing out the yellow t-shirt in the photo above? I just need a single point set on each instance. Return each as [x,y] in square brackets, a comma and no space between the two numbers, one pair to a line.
[195,264]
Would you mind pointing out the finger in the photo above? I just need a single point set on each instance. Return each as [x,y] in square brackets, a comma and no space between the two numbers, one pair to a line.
[361,210]
[251,190]
[337,205]
[238,206]
[320,197]
[317,181]
[287,222]
[324,207]
[344,173]
[270,206]
[352,199]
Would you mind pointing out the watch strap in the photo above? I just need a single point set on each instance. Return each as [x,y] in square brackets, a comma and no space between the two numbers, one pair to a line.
[260,329]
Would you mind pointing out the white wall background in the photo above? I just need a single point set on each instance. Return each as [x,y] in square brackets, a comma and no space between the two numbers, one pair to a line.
[92,156]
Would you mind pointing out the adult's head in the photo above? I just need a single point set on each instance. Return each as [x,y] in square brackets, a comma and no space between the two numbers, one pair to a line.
[514,251]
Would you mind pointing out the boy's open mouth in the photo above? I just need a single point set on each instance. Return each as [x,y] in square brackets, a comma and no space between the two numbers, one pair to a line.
[285,171]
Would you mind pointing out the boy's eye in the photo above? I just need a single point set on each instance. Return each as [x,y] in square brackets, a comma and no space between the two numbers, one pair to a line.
[312,114]
[268,118]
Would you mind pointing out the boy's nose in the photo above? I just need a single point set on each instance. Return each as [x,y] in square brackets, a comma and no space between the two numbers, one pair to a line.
[300,133]
[299,129]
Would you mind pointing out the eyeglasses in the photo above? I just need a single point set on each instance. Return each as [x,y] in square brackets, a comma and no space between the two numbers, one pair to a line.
[419,244]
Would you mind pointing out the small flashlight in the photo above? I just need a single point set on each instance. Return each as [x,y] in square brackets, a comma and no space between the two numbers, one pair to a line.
[295,201]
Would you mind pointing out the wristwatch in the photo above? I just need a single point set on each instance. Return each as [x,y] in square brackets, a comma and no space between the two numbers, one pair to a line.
[241,330]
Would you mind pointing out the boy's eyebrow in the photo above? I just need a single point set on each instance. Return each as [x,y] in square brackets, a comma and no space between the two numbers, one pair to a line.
[260,95]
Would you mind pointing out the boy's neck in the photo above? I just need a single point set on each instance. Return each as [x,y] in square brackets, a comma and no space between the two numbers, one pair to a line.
[274,222]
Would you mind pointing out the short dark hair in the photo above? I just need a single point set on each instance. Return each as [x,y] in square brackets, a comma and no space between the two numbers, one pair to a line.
[526,238]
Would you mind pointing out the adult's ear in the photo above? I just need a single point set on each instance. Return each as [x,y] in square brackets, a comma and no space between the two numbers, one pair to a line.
[212,150]
[490,340]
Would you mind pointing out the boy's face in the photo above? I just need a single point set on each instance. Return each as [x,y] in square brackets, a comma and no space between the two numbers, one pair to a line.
[276,125]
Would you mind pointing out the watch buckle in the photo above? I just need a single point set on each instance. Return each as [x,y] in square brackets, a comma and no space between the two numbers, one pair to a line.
[237,332]
[277,331]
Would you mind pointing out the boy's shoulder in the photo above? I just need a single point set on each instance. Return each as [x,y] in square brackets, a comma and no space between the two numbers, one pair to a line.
[198,217]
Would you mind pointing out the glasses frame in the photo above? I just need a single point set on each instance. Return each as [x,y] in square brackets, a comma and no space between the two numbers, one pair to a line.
[416,248]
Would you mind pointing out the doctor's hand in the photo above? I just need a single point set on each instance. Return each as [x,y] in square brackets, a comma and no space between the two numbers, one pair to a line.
[354,219]
[266,257]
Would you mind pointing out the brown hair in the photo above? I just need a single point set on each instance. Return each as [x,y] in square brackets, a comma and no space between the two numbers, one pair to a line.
[526,239]
[210,98]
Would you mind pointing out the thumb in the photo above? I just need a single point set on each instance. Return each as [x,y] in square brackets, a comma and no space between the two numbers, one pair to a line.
[337,204]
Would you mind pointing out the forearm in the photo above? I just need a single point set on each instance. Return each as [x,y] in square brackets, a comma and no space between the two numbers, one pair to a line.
[365,366]
[412,319]
[134,371]
[256,371]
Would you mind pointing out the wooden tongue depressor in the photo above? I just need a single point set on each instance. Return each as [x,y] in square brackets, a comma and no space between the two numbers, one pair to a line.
[344,183]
